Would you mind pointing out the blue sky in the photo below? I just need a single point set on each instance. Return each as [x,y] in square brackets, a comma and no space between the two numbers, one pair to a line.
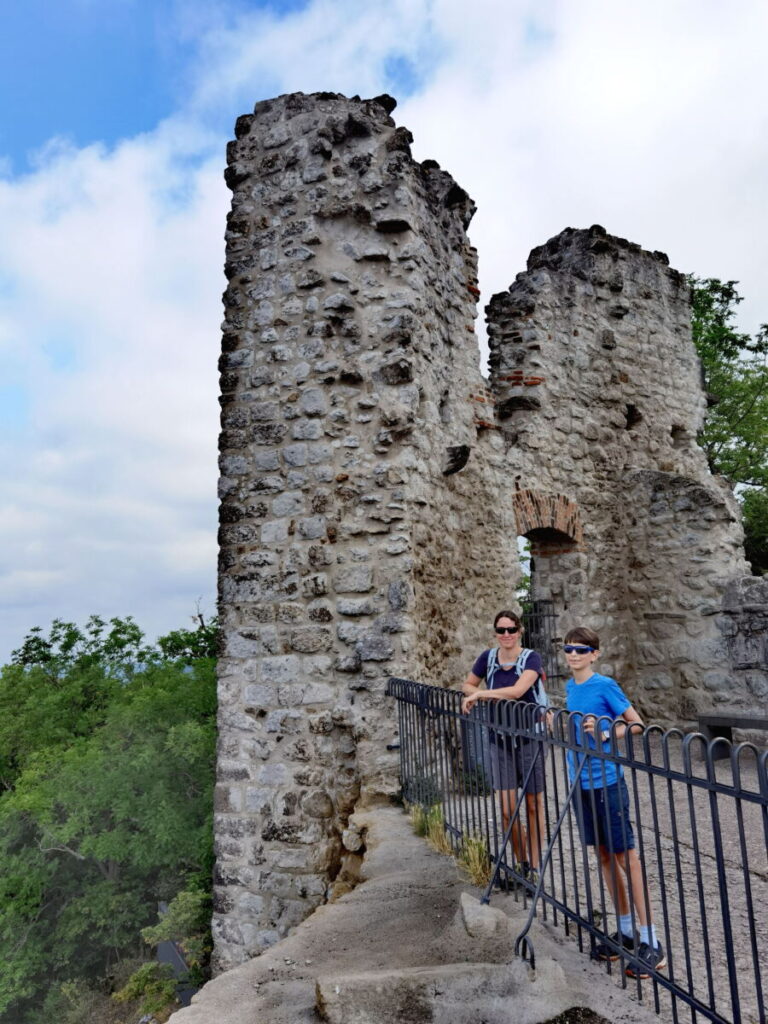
[114,116]
[88,71]
[98,71]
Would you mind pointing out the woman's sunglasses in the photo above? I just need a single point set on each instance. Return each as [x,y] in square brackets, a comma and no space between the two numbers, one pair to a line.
[507,629]
[577,649]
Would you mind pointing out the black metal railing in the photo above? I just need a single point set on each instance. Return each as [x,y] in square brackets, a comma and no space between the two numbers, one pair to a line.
[701,837]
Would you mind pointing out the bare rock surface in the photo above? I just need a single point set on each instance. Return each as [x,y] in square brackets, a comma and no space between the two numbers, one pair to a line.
[397,947]
[450,994]
[483,921]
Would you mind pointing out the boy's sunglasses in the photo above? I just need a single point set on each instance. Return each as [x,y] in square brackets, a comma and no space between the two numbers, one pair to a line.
[507,629]
[577,649]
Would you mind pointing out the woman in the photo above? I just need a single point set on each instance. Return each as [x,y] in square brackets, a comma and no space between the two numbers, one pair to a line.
[513,674]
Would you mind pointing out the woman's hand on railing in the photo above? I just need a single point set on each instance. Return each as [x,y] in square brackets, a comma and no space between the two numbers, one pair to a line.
[469,702]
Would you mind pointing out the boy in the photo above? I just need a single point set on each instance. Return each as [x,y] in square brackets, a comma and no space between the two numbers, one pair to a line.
[603,807]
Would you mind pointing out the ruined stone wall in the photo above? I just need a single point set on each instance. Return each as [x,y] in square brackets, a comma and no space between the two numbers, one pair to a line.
[598,391]
[373,484]
[352,548]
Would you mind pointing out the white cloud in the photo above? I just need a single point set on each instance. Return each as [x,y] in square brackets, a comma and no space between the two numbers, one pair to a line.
[110,493]
[649,119]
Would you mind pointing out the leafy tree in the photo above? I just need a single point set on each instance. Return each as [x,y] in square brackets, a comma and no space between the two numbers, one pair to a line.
[735,435]
[754,505]
[106,776]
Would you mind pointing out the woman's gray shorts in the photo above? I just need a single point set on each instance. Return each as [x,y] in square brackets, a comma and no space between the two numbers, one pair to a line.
[509,770]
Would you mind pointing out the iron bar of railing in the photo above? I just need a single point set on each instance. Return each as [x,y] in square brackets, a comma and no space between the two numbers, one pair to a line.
[701,839]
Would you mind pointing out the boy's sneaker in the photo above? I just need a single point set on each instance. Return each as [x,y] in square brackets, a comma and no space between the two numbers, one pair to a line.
[648,959]
[605,952]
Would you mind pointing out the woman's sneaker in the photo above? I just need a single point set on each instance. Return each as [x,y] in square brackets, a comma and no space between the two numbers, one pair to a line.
[605,952]
[648,959]
[532,875]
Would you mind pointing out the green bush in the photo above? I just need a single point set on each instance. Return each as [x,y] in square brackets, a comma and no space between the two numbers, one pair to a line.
[107,771]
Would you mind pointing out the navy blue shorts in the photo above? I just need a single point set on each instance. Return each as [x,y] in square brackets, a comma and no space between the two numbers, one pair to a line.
[610,815]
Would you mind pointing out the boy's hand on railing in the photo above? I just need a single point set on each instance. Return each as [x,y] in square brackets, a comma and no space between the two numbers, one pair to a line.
[596,728]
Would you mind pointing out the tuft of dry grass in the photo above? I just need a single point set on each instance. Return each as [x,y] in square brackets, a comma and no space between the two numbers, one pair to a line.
[418,819]
[473,853]
[437,837]
[473,857]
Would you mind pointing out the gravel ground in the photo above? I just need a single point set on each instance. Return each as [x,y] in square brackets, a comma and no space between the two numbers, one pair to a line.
[708,901]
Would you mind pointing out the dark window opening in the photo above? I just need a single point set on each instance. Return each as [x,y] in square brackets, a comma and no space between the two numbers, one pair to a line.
[634,416]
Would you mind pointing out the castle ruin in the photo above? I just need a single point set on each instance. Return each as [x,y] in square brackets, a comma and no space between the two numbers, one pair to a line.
[374,484]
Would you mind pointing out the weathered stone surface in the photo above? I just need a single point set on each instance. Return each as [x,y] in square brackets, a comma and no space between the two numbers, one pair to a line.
[354,580]
[482,921]
[403,916]
[452,994]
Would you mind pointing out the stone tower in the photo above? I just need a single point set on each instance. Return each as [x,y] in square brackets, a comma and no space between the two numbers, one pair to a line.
[374,484]
[598,394]
[359,539]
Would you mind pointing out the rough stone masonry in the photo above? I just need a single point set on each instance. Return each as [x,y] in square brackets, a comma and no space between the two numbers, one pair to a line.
[373,484]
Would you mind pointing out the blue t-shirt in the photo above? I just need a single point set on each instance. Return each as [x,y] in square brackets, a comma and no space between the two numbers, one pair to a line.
[507,676]
[603,697]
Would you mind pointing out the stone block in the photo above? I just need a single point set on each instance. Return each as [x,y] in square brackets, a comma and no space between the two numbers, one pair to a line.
[372,647]
[238,646]
[397,545]
[295,454]
[313,402]
[338,302]
[320,611]
[275,532]
[250,905]
[317,666]
[257,801]
[315,585]
[350,632]
[305,693]
[281,669]
[289,504]
[310,639]
[307,430]
[354,606]
[482,921]
[313,527]
[317,804]
[259,695]
[348,662]
[274,775]
[357,579]
[352,839]
[398,595]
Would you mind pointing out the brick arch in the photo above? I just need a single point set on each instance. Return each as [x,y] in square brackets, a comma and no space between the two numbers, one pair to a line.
[552,521]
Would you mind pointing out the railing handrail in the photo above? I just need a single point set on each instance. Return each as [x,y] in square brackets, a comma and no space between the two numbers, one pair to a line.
[522,721]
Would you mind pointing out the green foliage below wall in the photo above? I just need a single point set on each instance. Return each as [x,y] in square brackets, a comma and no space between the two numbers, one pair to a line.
[106,777]
[735,435]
